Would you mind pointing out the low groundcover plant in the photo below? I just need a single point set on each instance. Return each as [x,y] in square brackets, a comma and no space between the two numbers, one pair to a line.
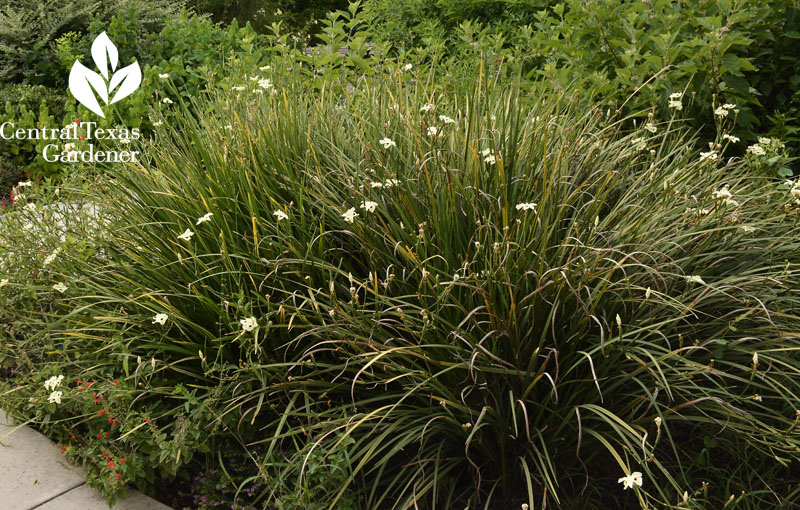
[410,300]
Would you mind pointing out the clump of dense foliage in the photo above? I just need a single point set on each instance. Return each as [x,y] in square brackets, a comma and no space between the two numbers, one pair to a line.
[27,107]
[36,35]
[480,299]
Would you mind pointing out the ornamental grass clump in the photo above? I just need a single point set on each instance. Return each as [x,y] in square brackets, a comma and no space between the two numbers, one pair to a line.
[526,307]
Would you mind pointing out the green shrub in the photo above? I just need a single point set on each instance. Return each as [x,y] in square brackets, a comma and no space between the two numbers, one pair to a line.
[714,48]
[28,107]
[27,31]
[30,29]
[409,23]
[502,309]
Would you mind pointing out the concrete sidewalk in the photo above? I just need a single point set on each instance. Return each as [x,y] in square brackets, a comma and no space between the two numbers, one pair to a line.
[33,474]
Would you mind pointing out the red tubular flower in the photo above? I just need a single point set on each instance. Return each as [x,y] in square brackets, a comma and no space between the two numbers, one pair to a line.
[119,476]
[122,461]
[98,435]
[101,412]
[111,465]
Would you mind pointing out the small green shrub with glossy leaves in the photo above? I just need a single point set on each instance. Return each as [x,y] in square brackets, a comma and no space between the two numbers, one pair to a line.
[28,107]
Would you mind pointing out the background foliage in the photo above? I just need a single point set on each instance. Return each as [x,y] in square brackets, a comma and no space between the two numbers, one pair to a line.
[32,30]
[296,15]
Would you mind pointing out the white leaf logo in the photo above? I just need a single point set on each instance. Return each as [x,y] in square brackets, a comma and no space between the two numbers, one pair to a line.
[128,79]
[103,52]
[81,82]
[85,83]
